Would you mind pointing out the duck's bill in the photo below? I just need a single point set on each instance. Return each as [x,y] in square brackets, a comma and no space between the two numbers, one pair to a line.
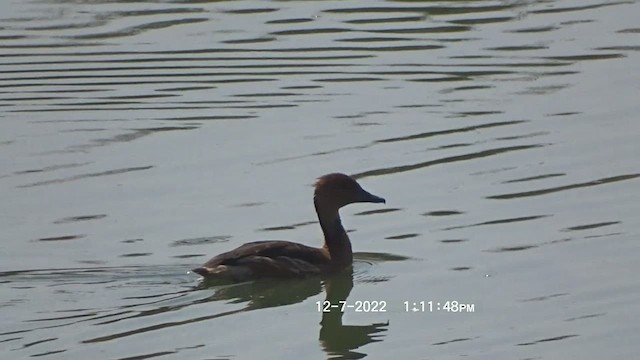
[366,196]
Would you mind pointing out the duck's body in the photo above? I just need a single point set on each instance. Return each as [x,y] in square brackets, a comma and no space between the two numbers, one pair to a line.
[285,259]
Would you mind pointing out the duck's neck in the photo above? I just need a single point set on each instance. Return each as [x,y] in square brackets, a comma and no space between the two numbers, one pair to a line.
[336,240]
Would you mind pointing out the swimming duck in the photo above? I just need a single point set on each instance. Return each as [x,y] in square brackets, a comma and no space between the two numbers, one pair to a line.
[285,259]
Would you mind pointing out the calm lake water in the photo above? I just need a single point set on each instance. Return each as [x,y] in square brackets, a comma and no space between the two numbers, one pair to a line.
[139,138]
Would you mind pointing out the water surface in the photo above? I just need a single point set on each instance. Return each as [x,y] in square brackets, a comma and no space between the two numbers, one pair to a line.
[139,138]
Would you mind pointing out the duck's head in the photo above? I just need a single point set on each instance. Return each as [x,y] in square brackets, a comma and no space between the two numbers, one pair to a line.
[337,190]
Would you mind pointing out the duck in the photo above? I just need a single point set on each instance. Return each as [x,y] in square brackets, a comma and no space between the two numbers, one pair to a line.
[286,259]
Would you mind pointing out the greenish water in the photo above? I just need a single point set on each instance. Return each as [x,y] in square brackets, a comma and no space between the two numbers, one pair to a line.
[139,138]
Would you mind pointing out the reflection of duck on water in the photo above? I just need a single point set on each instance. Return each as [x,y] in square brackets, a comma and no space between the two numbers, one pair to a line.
[284,259]
[335,338]
[338,339]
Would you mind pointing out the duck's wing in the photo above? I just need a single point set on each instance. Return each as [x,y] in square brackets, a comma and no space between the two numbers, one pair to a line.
[266,259]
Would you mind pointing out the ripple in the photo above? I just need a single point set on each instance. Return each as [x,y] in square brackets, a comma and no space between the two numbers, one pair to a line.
[431,10]
[500,221]
[135,30]
[402,236]
[91,274]
[532,178]
[38,342]
[451,341]
[377,211]
[135,255]
[536,29]
[288,227]
[451,159]
[443,213]
[374,257]
[188,256]
[555,338]
[430,134]
[50,352]
[62,238]
[215,239]
[250,11]
[512,248]
[84,176]
[79,218]
[585,317]
[543,298]
[591,226]
[453,241]
[546,191]
[386,20]
[51,168]
[586,57]
[290,21]
[560,9]
[425,30]
[131,241]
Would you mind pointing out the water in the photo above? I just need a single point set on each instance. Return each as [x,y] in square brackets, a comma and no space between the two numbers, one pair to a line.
[140,138]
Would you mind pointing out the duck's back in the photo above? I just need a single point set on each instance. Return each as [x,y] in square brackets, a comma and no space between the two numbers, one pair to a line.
[266,259]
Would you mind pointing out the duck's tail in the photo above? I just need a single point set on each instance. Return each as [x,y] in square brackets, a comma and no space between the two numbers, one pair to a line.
[202,271]
[225,272]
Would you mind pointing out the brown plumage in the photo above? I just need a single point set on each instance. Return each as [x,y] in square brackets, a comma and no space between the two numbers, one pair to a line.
[288,259]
